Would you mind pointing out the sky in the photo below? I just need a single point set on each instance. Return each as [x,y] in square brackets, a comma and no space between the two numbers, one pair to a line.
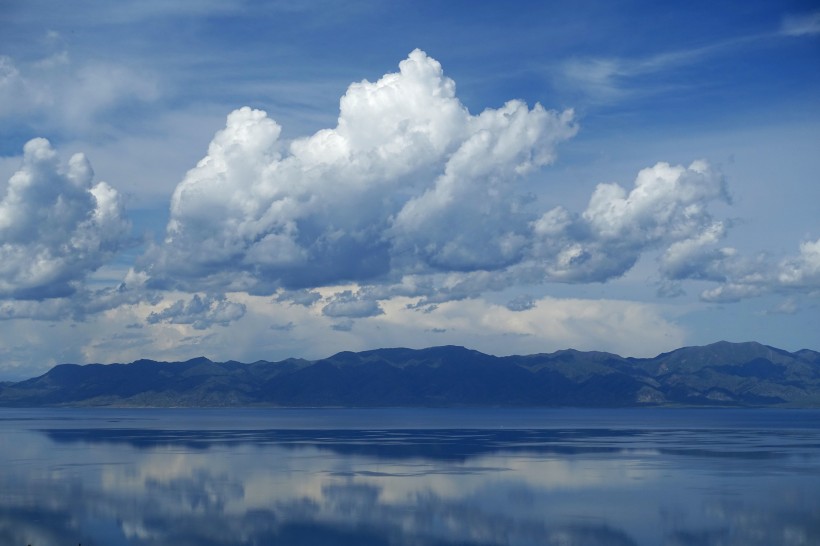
[250,180]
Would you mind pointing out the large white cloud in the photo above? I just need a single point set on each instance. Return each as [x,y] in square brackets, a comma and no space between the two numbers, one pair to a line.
[411,195]
[471,218]
[666,208]
[408,181]
[56,225]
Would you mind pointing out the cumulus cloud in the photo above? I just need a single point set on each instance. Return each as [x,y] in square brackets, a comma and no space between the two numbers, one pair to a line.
[732,292]
[697,257]
[802,271]
[303,297]
[200,312]
[753,278]
[411,195]
[471,218]
[83,303]
[408,181]
[350,305]
[666,207]
[56,225]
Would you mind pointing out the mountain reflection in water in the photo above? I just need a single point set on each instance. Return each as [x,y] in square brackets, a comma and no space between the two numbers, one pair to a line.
[151,477]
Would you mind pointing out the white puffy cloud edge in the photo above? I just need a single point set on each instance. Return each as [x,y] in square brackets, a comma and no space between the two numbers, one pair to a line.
[56,225]
[412,195]
[410,198]
[408,182]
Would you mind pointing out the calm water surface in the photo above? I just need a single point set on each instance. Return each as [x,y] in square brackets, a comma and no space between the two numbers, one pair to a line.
[109,477]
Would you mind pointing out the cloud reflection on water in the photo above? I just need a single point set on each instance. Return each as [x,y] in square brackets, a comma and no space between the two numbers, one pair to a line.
[139,486]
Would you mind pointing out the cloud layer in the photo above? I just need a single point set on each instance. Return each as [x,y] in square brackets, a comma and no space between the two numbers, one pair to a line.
[387,227]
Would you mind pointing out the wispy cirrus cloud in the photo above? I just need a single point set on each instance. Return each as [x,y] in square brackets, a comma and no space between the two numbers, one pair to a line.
[57,93]
[605,79]
[801,24]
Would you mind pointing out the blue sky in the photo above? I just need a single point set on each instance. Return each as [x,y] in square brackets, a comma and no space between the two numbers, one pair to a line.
[274,179]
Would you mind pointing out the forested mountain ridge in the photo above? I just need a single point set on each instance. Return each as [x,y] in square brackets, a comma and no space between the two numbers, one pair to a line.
[720,374]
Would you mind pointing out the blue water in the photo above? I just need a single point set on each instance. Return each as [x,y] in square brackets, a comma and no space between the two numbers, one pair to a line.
[409,477]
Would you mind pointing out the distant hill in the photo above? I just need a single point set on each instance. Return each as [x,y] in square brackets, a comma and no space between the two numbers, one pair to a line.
[720,374]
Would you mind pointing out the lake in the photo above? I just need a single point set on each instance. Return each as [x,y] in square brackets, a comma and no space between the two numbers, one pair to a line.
[109,477]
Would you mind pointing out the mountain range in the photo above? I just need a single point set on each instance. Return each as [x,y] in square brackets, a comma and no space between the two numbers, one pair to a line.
[720,374]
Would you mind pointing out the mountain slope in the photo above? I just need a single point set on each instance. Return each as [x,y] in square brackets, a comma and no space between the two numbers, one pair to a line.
[724,374]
